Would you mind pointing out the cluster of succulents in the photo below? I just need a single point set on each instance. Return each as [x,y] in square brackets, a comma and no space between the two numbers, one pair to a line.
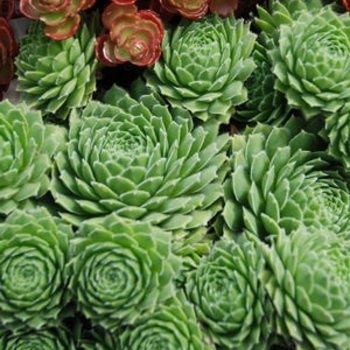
[174,175]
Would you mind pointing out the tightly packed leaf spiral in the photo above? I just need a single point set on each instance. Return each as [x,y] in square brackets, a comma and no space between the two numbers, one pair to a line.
[121,269]
[229,299]
[34,253]
[47,339]
[307,279]
[56,76]
[141,161]
[172,326]
[311,62]
[204,66]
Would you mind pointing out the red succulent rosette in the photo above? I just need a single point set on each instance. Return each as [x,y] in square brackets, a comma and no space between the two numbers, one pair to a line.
[134,36]
[7,54]
[223,7]
[7,8]
[193,9]
[61,17]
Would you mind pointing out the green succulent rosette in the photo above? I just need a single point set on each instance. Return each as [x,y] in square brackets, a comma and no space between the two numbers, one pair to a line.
[204,65]
[265,104]
[229,299]
[46,339]
[280,178]
[172,326]
[56,75]
[142,161]
[26,148]
[307,280]
[34,252]
[337,134]
[276,13]
[302,58]
[121,268]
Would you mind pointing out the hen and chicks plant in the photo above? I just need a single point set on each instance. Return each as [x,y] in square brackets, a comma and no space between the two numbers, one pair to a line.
[167,231]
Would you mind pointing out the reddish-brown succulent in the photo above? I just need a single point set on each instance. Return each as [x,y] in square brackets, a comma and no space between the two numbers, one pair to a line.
[7,54]
[7,8]
[134,36]
[61,17]
[188,9]
[223,7]
[346,4]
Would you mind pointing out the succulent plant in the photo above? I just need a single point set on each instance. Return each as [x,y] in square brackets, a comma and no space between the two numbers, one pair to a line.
[265,104]
[7,9]
[172,326]
[134,36]
[47,339]
[8,51]
[34,252]
[282,12]
[306,50]
[337,134]
[281,178]
[121,268]
[307,280]
[26,147]
[204,65]
[230,302]
[142,161]
[61,18]
[346,4]
[56,76]
[188,9]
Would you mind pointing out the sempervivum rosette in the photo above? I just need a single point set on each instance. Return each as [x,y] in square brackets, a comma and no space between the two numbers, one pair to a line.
[204,66]
[307,279]
[141,161]
[281,12]
[26,147]
[311,62]
[121,268]
[34,252]
[227,294]
[172,326]
[265,104]
[277,180]
[55,76]
[47,339]
[337,134]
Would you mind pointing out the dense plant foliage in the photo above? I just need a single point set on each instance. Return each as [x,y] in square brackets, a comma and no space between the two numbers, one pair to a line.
[174,175]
